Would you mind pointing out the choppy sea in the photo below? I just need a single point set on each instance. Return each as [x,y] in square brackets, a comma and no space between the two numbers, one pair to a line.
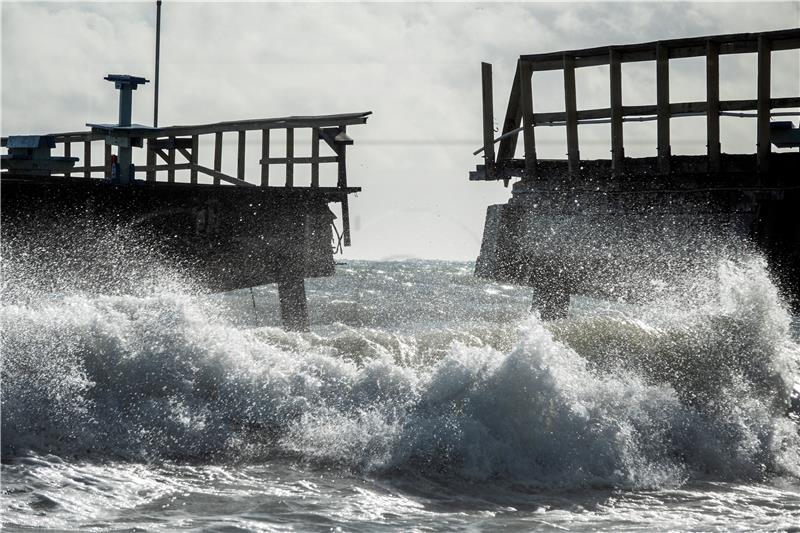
[422,399]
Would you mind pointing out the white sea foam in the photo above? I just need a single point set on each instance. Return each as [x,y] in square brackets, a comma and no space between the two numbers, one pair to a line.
[652,395]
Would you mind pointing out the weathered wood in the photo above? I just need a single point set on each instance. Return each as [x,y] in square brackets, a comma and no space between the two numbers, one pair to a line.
[171,163]
[187,154]
[662,107]
[345,222]
[171,142]
[264,158]
[240,158]
[526,104]
[615,92]
[678,48]
[156,167]
[217,156]
[341,152]
[67,153]
[87,158]
[314,157]
[151,161]
[193,158]
[508,145]
[107,159]
[301,160]
[219,176]
[570,102]
[289,157]
[762,132]
[712,104]
[488,114]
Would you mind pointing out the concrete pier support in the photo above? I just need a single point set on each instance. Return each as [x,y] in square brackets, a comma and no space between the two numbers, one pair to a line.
[294,308]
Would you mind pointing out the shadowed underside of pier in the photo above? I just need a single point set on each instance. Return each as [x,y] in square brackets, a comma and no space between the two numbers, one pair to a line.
[590,226]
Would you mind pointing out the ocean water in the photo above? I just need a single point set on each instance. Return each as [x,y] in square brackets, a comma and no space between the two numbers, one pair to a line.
[422,399]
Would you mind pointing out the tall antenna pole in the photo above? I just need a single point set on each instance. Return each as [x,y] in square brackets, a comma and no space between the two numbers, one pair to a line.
[158,59]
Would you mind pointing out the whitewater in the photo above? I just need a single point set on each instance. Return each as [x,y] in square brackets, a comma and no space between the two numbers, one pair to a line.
[422,399]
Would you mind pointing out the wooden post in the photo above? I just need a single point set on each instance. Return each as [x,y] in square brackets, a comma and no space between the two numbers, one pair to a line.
[617,143]
[241,151]
[107,159]
[315,157]
[341,183]
[508,145]
[217,155]
[662,107]
[87,159]
[171,161]
[712,101]
[151,162]
[570,102]
[526,103]
[193,161]
[67,153]
[292,297]
[763,105]
[290,157]
[264,157]
[488,117]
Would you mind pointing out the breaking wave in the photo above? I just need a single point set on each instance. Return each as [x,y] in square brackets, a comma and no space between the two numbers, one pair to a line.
[627,396]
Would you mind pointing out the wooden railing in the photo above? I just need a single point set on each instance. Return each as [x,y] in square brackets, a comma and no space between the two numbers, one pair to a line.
[520,117]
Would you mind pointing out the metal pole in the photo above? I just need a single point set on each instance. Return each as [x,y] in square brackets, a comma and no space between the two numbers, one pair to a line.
[158,58]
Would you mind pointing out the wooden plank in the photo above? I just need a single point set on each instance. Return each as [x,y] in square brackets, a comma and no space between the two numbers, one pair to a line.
[150,175]
[345,221]
[219,176]
[171,163]
[526,104]
[570,103]
[217,156]
[240,152]
[662,107]
[289,157]
[67,153]
[615,91]
[763,147]
[712,101]
[107,159]
[87,158]
[156,167]
[193,158]
[314,157]
[341,180]
[508,145]
[488,115]
[264,158]
[301,160]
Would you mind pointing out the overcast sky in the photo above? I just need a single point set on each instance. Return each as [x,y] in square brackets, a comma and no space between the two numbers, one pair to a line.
[415,65]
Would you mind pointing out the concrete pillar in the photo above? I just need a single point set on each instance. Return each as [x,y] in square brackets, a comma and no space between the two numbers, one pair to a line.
[294,308]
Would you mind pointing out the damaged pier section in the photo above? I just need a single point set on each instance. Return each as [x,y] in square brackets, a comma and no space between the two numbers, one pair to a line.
[577,226]
[228,231]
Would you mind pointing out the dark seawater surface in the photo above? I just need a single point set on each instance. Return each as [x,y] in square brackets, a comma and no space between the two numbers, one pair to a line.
[422,399]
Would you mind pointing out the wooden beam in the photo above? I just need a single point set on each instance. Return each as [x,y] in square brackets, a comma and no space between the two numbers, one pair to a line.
[615,91]
[151,161]
[341,181]
[264,157]
[488,116]
[87,159]
[662,105]
[712,101]
[289,157]
[171,163]
[240,159]
[67,153]
[193,158]
[301,160]
[345,221]
[570,102]
[508,145]
[219,176]
[315,157]
[526,104]
[107,159]
[762,132]
[217,156]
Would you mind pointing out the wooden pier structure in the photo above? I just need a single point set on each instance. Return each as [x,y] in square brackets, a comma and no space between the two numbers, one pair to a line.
[572,223]
[230,230]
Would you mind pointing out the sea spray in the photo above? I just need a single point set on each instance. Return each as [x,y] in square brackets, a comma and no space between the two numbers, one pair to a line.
[593,400]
